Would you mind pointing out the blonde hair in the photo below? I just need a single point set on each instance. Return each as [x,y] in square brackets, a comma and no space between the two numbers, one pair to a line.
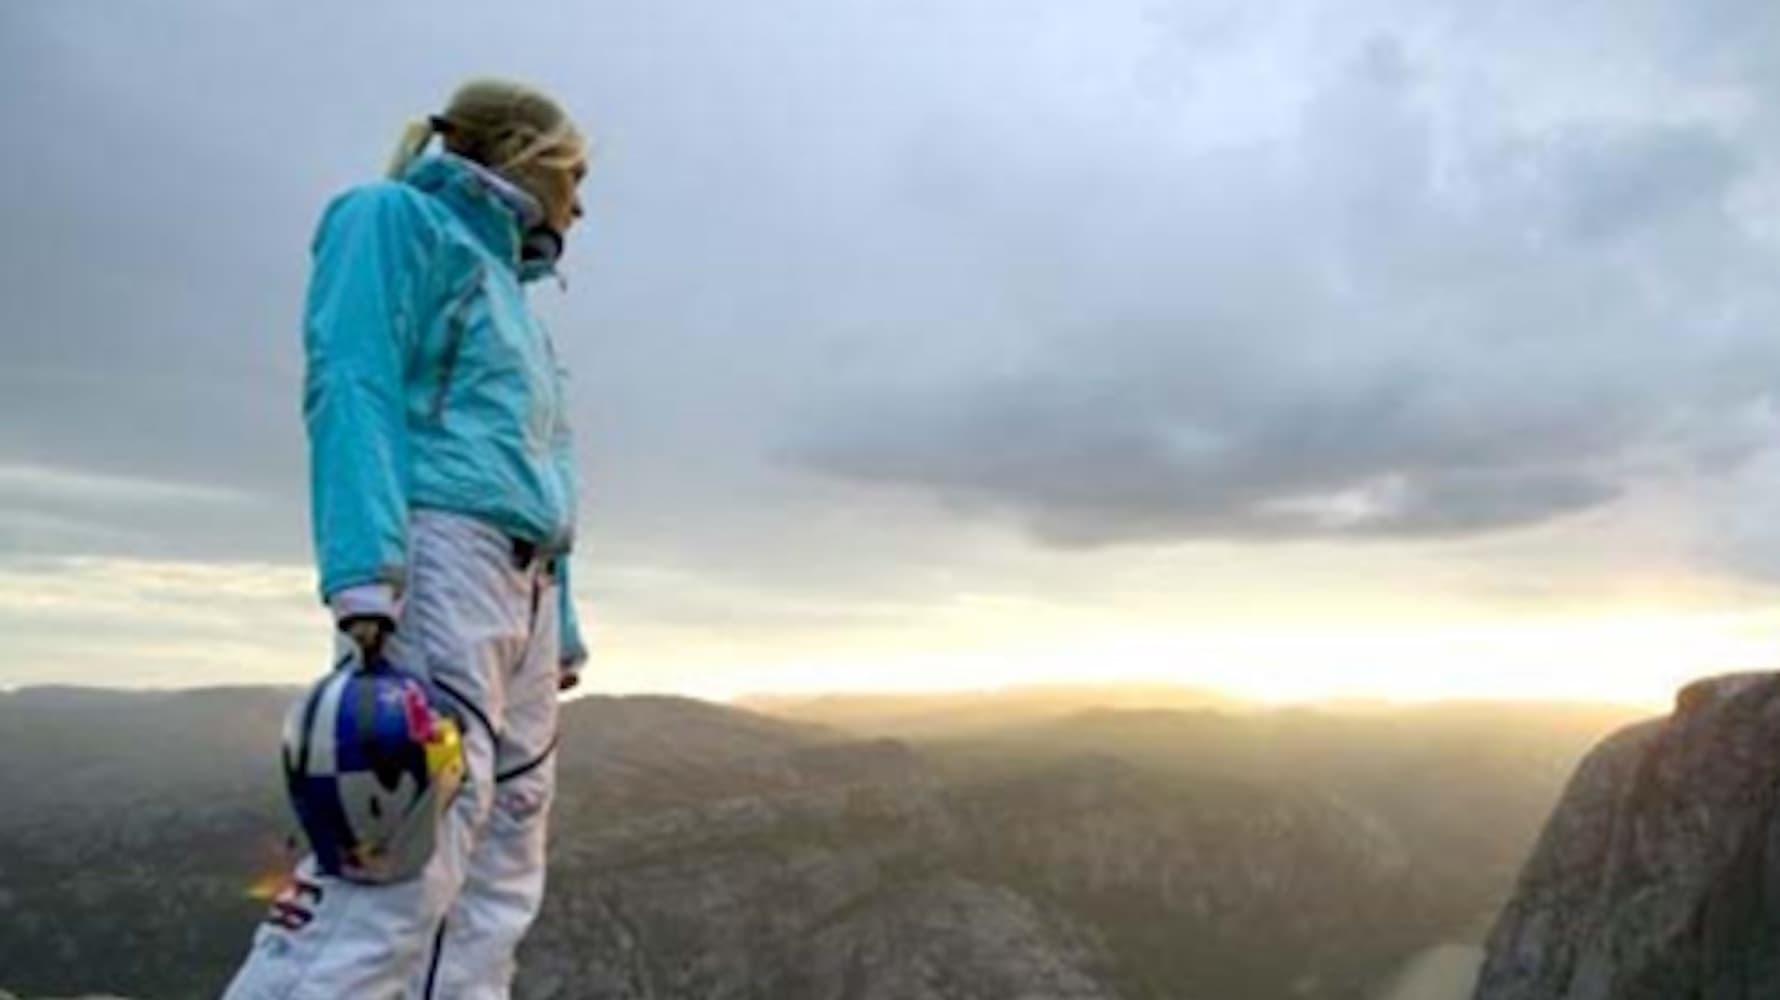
[500,124]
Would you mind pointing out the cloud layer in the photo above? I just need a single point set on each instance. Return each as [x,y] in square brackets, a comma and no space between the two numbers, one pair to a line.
[1397,317]
[883,304]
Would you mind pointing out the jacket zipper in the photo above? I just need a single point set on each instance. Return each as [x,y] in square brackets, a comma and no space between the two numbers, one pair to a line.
[454,344]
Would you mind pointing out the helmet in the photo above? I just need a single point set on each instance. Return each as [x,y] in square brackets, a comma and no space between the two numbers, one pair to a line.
[373,757]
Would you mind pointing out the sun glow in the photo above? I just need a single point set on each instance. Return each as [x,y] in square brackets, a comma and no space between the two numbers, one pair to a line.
[175,624]
[1640,660]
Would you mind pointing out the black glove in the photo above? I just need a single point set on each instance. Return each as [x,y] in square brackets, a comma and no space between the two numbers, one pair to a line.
[369,632]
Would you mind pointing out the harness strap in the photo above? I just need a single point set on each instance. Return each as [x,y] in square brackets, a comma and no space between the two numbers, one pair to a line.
[530,765]
[471,707]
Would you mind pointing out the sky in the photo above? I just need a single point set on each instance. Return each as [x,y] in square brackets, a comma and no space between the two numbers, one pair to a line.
[1373,348]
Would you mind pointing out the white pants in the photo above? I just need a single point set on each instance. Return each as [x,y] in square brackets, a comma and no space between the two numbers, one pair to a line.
[486,632]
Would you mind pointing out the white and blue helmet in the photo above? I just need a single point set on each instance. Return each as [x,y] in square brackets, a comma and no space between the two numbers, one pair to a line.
[372,759]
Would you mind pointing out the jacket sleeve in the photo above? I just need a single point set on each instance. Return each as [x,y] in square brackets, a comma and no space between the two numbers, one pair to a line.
[359,329]
[574,647]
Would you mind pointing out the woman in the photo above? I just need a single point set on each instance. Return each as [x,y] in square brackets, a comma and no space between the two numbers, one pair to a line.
[444,499]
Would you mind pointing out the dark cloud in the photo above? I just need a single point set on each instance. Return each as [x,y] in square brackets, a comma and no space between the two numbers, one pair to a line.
[1618,181]
[1099,467]
[1390,322]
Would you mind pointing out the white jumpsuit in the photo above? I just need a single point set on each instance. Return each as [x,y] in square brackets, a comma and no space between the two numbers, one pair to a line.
[485,629]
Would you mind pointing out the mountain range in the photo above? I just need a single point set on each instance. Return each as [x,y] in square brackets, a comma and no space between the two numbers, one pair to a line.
[1038,844]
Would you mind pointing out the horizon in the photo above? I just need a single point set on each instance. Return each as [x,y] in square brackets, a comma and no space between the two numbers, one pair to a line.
[1320,351]
[767,702]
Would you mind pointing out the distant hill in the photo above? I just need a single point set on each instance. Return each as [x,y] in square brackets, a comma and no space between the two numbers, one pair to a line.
[953,714]
[707,851]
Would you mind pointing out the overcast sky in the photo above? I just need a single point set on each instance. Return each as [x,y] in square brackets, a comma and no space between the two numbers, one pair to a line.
[1403,347]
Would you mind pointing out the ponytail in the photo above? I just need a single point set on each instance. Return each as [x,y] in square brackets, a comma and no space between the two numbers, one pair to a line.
[415,135]
[505,126]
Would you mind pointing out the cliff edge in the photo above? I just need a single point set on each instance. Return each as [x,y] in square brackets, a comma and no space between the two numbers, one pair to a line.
[1657,877]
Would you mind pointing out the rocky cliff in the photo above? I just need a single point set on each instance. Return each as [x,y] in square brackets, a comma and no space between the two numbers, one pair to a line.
[1658,875]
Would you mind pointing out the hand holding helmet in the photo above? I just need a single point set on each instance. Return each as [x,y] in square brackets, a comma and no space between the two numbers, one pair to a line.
[372,759]
[368,633]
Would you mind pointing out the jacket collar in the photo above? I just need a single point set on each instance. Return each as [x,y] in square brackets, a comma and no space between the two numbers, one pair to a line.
[492,207]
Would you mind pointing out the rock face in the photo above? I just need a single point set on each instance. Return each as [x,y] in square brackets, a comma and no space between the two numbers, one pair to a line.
[1658,875]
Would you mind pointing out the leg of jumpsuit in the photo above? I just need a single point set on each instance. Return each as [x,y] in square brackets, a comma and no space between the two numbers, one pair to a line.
[473,956]
[464,619]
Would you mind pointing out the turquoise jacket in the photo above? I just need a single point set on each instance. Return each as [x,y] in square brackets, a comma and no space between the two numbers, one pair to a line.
[430,383]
